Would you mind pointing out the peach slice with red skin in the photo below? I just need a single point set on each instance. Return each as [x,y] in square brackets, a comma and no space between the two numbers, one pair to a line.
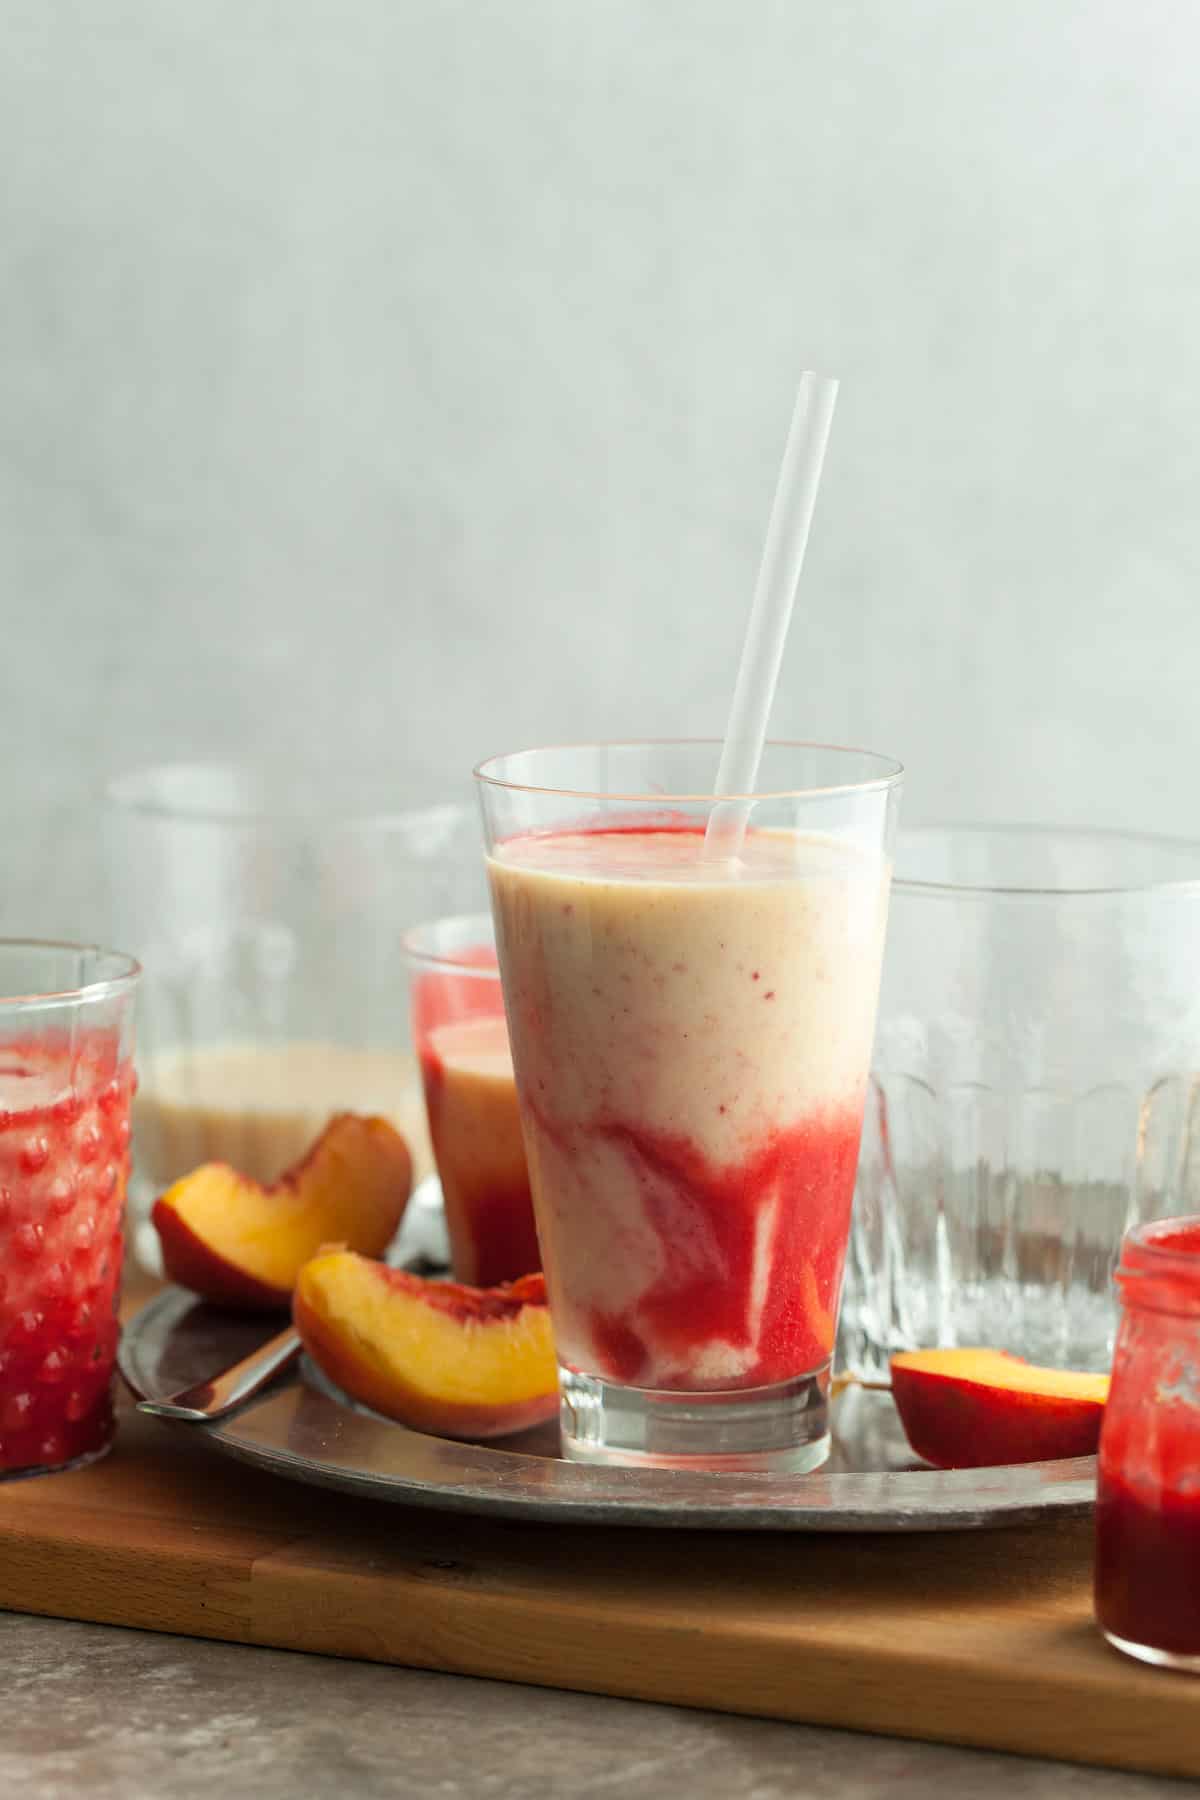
[242,1244]
[975,1409]
[454,1361]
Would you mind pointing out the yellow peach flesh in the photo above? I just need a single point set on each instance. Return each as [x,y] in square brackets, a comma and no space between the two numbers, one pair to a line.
[997,1369]
[447,1358]
[351,1188]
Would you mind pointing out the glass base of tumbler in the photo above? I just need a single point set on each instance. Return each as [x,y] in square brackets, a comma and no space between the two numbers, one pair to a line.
[64,1468]
[784,1427]
[1160,1659]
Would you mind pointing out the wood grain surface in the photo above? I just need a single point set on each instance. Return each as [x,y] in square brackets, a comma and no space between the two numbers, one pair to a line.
[981,1638]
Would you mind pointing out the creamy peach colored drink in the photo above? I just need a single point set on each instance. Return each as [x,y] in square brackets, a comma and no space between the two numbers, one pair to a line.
[691,1041]
[261,1106]
[693,1056]
[476,1130]
[471,1100]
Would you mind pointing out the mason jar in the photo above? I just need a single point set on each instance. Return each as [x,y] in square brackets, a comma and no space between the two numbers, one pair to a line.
[1148,1501]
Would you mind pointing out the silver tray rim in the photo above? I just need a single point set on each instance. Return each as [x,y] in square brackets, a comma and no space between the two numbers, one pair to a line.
[301,1430]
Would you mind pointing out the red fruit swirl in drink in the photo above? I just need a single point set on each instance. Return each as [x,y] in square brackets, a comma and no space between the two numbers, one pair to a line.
[691,1048]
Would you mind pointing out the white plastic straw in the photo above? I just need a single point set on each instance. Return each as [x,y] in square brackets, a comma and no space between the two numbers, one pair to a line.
[771,611]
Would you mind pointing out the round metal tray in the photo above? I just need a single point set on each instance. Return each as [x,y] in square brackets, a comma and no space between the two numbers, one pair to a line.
[305,1430]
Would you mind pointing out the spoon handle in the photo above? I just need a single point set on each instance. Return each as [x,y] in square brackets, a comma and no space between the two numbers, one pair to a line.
[221,1394]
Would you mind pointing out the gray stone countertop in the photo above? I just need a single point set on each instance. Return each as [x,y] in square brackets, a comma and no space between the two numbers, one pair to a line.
[128,1715]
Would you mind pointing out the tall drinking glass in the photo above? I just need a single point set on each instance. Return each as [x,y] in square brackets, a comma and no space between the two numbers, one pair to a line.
[266,904]
[66,1077]
[691,1040]
[1035,1089]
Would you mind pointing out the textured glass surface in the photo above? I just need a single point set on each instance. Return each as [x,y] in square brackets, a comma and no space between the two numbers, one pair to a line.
[1035,1091]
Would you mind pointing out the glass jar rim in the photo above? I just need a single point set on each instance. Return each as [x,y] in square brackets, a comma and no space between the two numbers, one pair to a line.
[890,774]
[1159,1267]
[468,932]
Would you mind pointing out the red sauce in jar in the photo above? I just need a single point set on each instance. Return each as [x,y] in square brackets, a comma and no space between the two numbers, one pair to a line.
[64,1156]
[1148,1503]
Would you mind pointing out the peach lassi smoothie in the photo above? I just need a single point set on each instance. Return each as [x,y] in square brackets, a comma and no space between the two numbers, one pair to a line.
[692,1052]
[471,1100]
[691,1026]
[476,1130]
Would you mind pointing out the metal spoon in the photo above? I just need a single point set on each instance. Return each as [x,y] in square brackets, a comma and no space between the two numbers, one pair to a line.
[207,1400]
[420,1246]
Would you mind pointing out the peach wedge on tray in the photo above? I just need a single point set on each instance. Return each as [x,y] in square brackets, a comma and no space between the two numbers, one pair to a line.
[451,1360]
[974,1409]
[240,1244]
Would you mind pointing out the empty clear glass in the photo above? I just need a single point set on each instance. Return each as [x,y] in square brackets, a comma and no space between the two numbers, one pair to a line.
[1035,1089]
[267,907]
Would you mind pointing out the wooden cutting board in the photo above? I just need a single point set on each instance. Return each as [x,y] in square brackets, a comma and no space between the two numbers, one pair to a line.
[979,1638]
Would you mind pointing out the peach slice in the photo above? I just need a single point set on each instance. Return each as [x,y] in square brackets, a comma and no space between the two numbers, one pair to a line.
[975,1409]
[455,1361]
[241,1244]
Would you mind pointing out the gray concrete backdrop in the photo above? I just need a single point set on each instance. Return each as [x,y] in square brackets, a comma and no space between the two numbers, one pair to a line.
[401,380]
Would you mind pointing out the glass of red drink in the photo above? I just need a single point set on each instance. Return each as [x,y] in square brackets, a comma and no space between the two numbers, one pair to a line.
[66,1081]
[1148,1498]
[461,1042]
[691,1029]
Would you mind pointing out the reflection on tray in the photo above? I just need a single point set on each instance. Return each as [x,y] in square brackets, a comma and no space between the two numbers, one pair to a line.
[305,1430]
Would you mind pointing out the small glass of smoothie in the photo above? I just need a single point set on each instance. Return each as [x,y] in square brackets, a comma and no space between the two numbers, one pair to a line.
[691,1030]
[461,1042]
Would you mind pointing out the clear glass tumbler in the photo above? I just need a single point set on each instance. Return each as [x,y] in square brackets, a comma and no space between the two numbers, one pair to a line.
[267,907]
[691,1038]
[461,1042]
[66,1079]
[1035,1089]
